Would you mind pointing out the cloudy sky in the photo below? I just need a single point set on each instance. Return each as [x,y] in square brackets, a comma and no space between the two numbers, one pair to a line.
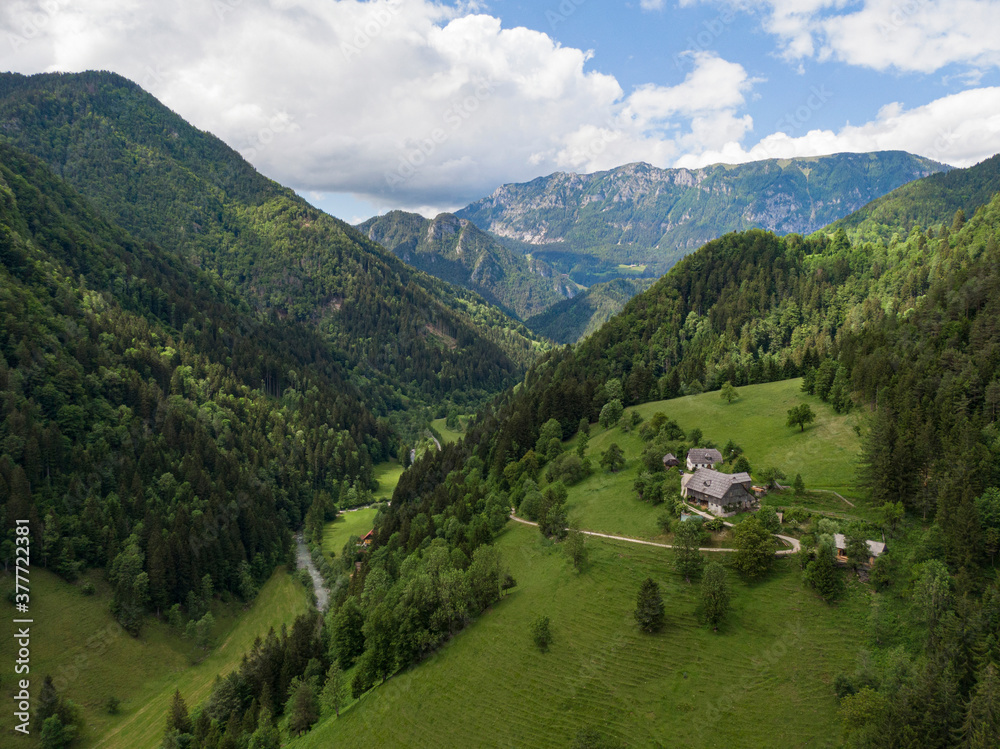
[367,106]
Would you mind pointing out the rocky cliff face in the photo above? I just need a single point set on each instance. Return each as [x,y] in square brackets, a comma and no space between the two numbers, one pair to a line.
[640,214]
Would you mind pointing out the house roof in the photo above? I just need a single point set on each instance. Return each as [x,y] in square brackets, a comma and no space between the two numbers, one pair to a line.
[875,548]
[670,458]
[701,455]
[713,483]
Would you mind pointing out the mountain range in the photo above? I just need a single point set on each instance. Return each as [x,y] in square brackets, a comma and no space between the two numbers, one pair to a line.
[637,219]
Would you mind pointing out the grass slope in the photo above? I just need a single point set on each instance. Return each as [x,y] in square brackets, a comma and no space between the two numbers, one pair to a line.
[347,524]
[78,643]
[280,601]
[764,680]
[447,435]
[387,475]
[825,453]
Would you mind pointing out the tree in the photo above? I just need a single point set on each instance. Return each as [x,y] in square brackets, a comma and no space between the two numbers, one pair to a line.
[890,515]
[649,611]
[856,547]
[266,735]
[822,574]
[754,548]
[611,414]
[741,464]
[715,593]
[728,393]
[613,459]
[771,476]
[581,444]
[334,690]
[688,535]
[55,734]
[800,415]
[576,549]
[932,594]
[178,718]
[769,517]
[613,389]
[798,485]
[981,726]
[541,633]
[348,640]
[551,430]
[303,708]
[131,586]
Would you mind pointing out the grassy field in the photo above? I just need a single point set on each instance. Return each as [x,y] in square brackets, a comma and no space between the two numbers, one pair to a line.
[448,435]
[764,680]
[387,475]
[76,641]
[825,454]
[353,523]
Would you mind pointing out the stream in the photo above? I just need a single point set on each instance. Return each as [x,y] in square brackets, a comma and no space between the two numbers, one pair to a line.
[304,561]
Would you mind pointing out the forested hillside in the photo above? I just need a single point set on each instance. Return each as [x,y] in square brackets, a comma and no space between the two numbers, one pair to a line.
[149,421]
[454,250]
[574,319]
[905,332]
[594,226]
[399,332]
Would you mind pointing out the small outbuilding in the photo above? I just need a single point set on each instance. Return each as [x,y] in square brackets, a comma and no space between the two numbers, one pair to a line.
[875,549]
[670,461]
[698,457]
[366,540]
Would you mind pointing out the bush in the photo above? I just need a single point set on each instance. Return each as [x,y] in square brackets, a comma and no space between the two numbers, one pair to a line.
[88,588]
[112,705]
[541,633]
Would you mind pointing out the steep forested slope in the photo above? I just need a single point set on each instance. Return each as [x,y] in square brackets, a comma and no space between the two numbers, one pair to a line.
[454,250]
[149,421]
[588,225]
[573,319]
[398,330]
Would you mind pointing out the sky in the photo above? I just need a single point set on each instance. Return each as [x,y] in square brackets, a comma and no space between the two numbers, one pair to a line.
[364,107]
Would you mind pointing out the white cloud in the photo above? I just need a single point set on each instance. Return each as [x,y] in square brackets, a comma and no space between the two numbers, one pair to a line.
[651,4]
[405,103]
[904,35]
[960,129]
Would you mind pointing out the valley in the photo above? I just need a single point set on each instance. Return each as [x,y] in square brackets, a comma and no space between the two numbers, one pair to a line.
[205,381]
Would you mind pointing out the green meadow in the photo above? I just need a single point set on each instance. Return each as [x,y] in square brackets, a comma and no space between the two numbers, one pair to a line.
[77,642]
[347,524]
[387,475]
[825,454]
[763,680]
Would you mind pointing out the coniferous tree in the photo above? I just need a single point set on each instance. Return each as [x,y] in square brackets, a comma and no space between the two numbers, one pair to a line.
[715,593]
[649,610]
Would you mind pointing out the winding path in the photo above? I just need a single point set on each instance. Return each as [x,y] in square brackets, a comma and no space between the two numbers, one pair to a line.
[793,542]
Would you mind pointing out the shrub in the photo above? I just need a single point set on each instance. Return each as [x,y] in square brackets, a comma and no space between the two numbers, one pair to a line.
[88,588]
[541,633]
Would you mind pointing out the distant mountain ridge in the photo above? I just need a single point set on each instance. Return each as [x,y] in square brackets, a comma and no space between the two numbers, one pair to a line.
[588,225]
[455,250]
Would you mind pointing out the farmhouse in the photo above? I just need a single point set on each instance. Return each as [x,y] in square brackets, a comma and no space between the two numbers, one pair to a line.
[701,458]
[366,540]
[670,460]
[722,494]
[875,549]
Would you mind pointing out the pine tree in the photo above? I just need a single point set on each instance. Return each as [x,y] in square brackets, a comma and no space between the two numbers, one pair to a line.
[649,611]
[303,708]
[981,726]
[178,718]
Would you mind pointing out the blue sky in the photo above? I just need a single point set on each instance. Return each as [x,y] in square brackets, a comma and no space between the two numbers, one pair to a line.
[368,106]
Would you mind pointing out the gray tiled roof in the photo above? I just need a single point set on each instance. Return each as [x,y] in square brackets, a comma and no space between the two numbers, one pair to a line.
[701,455]
[712,483]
